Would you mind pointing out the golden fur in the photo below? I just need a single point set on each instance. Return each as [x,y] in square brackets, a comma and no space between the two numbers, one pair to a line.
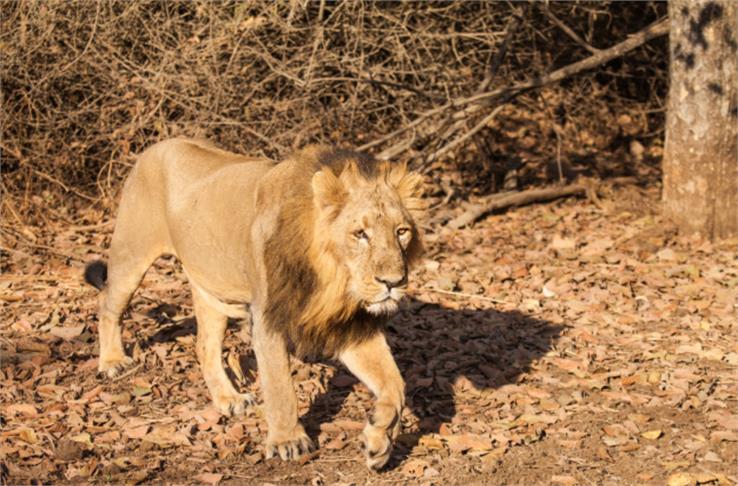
[319,245]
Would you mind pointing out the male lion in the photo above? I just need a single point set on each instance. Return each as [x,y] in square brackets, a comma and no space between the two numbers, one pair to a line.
[318,245]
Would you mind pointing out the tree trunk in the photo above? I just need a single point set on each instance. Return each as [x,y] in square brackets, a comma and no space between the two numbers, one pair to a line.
[701,155]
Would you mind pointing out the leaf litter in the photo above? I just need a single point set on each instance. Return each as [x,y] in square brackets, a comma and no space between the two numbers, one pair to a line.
[553,344]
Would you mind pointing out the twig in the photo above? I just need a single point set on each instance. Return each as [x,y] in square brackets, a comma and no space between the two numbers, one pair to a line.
[463,294]
[84,227]
[62,185]
[377,82]
[17,278]
[24,242]
[316,42]
[461,139]
[573,35]
[127,373]
[510,30]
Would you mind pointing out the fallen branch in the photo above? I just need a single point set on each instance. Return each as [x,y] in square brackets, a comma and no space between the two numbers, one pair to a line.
[502,201]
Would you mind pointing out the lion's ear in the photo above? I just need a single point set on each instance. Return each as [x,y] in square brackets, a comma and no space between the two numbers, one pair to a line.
[328,191]
[409,186]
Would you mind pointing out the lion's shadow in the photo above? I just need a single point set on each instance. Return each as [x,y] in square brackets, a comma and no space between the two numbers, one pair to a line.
[438,348]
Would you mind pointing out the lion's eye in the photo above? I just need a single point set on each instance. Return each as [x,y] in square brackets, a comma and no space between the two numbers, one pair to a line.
[401,232]
[361,235]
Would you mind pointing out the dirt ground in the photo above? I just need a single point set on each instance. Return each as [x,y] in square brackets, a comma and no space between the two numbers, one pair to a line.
[564,343]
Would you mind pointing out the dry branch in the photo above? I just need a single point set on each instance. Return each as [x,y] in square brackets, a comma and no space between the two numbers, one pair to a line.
[472,104]
[567,30]
[506,200]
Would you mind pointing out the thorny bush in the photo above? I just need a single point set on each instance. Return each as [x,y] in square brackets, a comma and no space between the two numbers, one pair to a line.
[87,85]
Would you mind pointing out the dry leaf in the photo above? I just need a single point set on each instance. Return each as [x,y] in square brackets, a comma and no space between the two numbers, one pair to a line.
[209,478]
[28,435]
[349,425]
[565,480]
[652,434]
[465,442]
[681,479]
[136,432]
[337,443]
[414,468]
[67,333]
[430,442]
[25,409]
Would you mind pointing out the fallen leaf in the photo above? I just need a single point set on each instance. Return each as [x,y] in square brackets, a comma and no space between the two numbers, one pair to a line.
[28,435]
[565,480]
[430,442]
[559,243]
[723,435]
[681,479]
[705,478]
[597,247]
[414,468]
[465,442]
[136,432]
[346,424]
[652,434]
[83,438]
[614,441]
[209,478]
[234,363]
[139,391]
[25,409]
[67,333]
[337,443]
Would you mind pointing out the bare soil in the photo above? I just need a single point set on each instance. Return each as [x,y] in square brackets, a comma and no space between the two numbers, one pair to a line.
[567,343]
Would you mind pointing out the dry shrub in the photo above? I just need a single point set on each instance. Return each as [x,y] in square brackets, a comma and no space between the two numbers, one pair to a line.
[86,85]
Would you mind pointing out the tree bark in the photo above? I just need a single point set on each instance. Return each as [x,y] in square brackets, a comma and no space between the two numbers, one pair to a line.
[701,154]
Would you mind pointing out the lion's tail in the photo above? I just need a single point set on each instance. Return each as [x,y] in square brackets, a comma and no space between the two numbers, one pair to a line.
[96,274]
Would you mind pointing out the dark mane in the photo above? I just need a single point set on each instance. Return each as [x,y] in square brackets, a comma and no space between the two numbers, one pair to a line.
[292,279]
[337,159]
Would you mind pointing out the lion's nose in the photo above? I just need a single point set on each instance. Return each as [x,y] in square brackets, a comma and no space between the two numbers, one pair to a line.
[392,281]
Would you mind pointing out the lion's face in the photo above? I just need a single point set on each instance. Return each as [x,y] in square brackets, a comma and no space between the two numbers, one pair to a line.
[368,229]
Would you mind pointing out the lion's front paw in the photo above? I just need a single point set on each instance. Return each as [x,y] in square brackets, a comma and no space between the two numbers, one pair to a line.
[113,367]
[233,403]
[290,448]
[377,447]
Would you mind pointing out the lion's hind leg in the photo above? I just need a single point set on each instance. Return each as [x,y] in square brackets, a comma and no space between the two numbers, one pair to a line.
[123,277]
[211,327]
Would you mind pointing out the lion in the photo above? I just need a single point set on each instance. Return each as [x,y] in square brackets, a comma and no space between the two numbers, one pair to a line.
[316,247]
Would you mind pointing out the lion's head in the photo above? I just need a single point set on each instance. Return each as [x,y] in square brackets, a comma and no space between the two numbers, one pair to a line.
[365,224]
[346,237]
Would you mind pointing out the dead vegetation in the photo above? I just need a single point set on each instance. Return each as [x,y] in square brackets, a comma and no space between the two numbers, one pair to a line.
[86,87]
